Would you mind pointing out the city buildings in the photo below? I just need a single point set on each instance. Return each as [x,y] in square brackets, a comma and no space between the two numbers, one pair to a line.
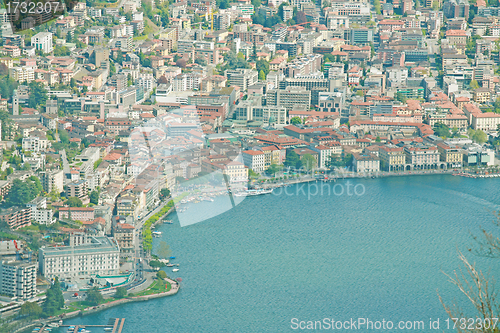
[42,41]
[18,279]
[84,256]
[16,217]
[77,213]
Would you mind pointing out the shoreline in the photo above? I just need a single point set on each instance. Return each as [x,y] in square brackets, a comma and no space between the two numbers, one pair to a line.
[174,290]
[374,175]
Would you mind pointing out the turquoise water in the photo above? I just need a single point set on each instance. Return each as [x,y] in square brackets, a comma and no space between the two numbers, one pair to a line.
[380,255]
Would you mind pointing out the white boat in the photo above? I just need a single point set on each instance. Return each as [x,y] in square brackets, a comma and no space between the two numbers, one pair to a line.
[157,233]
[175,270]
[254,192]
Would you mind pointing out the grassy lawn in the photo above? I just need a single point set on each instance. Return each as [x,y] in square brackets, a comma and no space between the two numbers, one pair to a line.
[141,38]
[155,288]
[7,235]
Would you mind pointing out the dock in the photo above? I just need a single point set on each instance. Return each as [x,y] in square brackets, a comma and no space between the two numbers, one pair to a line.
[115,323]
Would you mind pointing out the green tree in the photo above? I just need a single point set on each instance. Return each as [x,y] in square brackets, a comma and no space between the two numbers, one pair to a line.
[340,161]
[262,76]
[161,275]
[400,97]
[94,296]
[309,162]
[94,197]
[96,163]
[201,61]
[74,202]
[273,168]
[156,264]
[473,85]
[252,174]
[296,121]
[38,94]
[64,136]
[293,160]
[480,137]
[61,51]
[31,310]
[120,292]
[441,130]
[262,65]
[54,299]
[164,192]
[23,192]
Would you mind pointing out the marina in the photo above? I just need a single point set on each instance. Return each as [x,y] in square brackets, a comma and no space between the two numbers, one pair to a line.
[115,325]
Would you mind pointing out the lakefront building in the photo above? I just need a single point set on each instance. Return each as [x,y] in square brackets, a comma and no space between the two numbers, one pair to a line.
[85,256]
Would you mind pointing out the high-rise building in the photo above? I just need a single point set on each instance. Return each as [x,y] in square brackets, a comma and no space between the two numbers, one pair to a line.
[52,180]
[43,41]
[289,97]
[18,279]
[242,77]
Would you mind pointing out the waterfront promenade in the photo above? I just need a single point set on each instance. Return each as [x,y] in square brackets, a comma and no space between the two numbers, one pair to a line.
[22,327]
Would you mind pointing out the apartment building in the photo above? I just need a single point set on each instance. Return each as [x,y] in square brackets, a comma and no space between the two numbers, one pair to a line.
[452,156]
[43,41]
[77,213]
[85,256]
[289,97]
[125,237]
[366,162]
[16,217]
[39,211]
[22,74]
[18,279]
[78,189]
[422,157]
[324,155]
[242,77]
[254,160]
[52,180]
[35,144]
[392,158]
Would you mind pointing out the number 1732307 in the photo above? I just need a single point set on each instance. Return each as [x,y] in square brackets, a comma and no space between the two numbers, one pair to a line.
[471,323]
[32,7]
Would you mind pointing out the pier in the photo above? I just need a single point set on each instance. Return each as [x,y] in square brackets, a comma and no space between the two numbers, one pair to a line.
[114,323]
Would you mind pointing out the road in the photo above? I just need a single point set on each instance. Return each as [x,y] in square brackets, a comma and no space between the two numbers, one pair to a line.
[64,158]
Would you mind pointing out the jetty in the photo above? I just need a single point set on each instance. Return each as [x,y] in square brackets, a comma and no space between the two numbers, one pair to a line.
[116,324]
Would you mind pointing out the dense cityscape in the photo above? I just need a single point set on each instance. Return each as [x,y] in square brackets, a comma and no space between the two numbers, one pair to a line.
[114,114]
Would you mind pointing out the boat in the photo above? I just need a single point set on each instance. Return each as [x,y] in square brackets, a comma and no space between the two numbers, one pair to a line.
[54,325]
[108,329]
[170,265]
[172,257]
[157,233]
[175,270]
[253,192]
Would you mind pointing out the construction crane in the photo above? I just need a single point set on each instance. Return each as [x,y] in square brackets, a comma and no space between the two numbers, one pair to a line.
[212,19]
